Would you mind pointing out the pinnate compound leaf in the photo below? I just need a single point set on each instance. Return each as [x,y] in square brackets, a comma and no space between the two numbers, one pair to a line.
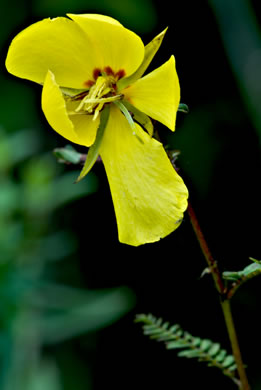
[189,346]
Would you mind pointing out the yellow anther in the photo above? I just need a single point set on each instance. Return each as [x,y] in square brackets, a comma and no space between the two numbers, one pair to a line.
[97,111]
[100,93]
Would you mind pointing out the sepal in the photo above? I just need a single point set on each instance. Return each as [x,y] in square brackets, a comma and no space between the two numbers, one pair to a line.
[93,152]
[150,51]
[140,117]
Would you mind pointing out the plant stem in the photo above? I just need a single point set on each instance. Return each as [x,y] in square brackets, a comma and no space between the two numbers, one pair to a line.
[234,343]
[225,303]
[212,264]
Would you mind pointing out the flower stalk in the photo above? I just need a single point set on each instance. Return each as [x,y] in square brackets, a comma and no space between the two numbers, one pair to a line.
[224,300]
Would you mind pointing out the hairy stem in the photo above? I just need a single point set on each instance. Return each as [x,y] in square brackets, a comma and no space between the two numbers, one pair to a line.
[225,303]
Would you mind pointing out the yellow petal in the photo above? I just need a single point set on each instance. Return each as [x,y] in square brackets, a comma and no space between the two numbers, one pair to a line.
[81,131]
[149,196]
[84,125]
[157,94]
[56,44]
[98,17]
[119,47]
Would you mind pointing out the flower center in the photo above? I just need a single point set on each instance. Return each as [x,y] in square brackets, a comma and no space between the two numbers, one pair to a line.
[101,91]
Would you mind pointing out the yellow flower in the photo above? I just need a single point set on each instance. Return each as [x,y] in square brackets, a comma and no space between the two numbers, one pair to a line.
[91,69]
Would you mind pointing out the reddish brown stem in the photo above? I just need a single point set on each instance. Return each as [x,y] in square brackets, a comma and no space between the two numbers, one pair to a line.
[225,302]
[212,264]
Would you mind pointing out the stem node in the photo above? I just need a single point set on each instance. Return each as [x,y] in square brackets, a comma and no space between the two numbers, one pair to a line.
[224,300]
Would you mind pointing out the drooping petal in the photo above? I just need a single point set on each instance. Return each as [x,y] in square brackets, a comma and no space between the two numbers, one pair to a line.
[84,125]
[54,109]
[157,94]
[120,48]
[149,196]
[57,44]
[81,130]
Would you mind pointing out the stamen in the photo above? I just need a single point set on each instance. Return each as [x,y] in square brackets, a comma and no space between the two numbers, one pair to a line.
[80,105]
[104,92]
[103,100]
[97,111]
[101,91]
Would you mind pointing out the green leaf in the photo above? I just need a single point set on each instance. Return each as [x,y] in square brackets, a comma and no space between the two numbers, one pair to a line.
[234,276]
[228,361]
[183,108]
[68,154]
[215,348]
[93,152]
[205,345]
[232,368]
[177,345]
[240,277]
[249,271]
[196,341]
[251,268]
[189,354]
[150,51]
[174,328]
[43,375]
[221,356]
[255,260]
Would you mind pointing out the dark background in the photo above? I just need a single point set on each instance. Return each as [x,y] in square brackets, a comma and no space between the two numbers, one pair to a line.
[56,235]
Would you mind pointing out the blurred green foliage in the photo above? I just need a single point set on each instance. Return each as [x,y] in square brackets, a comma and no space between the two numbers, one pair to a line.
[35,310]
[38,310]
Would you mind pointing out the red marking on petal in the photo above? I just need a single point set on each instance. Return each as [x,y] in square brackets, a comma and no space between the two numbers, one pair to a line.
[108,70]
[88,83]
[96,73]
[121,73]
